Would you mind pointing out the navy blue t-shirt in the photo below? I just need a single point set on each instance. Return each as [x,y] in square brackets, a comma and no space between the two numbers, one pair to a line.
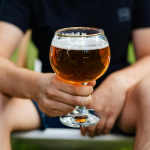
[116,17]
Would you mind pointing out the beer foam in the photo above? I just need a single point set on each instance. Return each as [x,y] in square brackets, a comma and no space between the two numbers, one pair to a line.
[81,43]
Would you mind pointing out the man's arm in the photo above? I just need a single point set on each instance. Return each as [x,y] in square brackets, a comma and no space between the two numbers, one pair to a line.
[110,96]
[54,96]
[140,69]
[10,36]
[11,74]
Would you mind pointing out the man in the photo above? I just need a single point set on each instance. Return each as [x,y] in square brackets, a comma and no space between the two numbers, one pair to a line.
[123,95]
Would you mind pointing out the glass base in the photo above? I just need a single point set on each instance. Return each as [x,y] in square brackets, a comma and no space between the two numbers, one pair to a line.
[76,119]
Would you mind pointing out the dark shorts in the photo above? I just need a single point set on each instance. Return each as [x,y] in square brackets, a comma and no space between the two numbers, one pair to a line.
[48,122]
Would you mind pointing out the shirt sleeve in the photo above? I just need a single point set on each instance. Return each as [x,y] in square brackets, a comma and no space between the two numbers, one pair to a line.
[141,14]
[16,12]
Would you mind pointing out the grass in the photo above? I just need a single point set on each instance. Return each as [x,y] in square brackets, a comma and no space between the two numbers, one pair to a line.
[131,54]
[21,145]
[31,56]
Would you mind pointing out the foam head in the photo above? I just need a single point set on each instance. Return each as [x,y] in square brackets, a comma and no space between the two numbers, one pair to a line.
[79,43]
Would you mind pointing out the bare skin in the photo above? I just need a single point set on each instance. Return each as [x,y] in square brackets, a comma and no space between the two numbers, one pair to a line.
[135,115]
[53,105]
[16,114]
[54,96]
[116,98]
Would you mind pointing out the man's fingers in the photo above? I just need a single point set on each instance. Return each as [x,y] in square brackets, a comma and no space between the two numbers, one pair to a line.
[62,107]
[56,108]
[91,130]
[100,125]
[109,124]
[75,88]
[53,113]
[70,99]
[83,131]
[93,83]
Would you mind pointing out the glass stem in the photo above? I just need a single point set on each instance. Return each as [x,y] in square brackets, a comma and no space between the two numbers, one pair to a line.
[80,109]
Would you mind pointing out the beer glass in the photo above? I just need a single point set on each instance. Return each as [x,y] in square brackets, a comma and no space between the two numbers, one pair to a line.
[80,55]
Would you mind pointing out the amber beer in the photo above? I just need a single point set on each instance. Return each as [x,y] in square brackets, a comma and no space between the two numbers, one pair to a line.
[79,64]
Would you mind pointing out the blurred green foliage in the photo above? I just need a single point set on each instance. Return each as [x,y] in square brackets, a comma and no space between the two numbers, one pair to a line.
[131,58]
[21,145]
[31,56]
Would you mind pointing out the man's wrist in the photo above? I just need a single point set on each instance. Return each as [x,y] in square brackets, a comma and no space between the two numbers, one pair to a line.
[125,76]
[34,87]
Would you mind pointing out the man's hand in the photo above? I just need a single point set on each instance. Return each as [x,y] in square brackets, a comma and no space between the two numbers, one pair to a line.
[56,97]
[108,99]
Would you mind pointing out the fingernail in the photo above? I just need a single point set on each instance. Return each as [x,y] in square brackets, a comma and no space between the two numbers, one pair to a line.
[91,135]
[98,132]
[106,131]
[83,134]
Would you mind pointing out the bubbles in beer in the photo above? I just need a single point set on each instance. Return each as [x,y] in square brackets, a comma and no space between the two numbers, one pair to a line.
[80,59]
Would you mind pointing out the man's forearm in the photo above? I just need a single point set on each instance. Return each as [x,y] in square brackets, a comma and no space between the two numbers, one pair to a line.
[137,71]
[16,81]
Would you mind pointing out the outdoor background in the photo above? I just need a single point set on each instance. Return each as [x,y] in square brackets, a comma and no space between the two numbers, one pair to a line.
[32,54]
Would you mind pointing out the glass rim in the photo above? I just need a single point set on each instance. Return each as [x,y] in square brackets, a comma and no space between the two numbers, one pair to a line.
[63,29]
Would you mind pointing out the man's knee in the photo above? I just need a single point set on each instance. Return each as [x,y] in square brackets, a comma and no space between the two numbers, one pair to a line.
[142,92]
[4,116]
[18,114]
[137,104]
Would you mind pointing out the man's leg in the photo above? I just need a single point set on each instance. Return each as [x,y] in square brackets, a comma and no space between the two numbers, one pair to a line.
[16,114]
[135,116]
